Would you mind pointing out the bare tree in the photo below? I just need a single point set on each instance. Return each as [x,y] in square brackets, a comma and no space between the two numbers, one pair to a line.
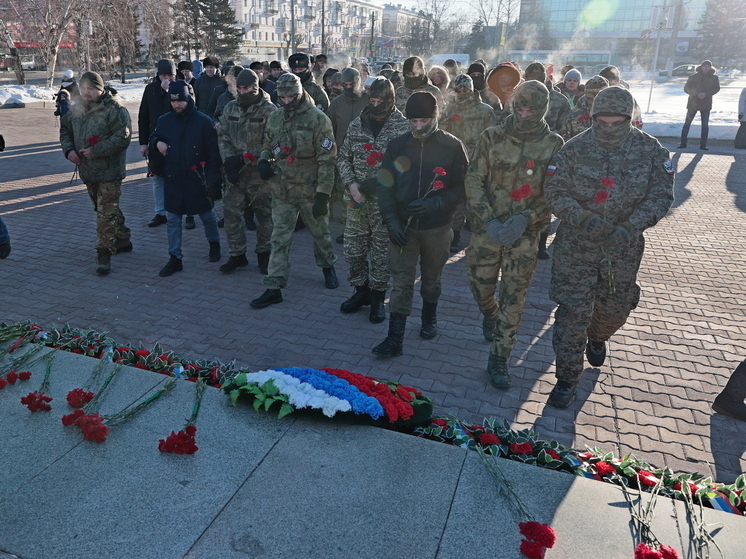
[8,39]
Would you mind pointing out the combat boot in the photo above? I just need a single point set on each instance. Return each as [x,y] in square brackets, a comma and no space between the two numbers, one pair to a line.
[214,251]
[330,278]
[596,353]
[456,241]
[4,250]
[393,344]
[488,326]
[262,259]
[125,246]
[269,297]
[730,400]
[543,254]
[173,265]
[377,310]
[429,320]
[103,261]
[233,263]
[562,393]
[361,298]
[497,367]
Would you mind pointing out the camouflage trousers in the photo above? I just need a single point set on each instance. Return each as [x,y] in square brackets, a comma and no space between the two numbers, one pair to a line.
[595,294]
[111,231]
[338,195]
[432,248]
[366,238]
[235,201]
[515,267]
[459,217]
[284,217]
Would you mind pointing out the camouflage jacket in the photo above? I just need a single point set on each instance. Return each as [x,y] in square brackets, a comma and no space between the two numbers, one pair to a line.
[502,164]
[403,93]
[317,93]
[242,130]
[558,112]
[637,177]
[352,161]
[467,120]
[301,145]
[579,119]
[106,128]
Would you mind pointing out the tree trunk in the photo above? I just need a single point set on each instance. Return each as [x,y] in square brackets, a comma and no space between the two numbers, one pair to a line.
[17,68]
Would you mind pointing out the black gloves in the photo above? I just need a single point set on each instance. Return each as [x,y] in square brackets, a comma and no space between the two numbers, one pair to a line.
[397,234]
[418,208]
[320,205]
[369,187]
[265,169]
[594,225]
[233,166]
[214,192]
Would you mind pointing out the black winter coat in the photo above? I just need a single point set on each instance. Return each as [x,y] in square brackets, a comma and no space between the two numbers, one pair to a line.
[203,89]
[155,103]
[699,82]
[407,173]
[192,141]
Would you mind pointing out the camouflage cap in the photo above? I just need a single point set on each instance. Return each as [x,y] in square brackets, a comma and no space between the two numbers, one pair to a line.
[351,75]
[535,71]
[596,83]
[463,81]
[289,84]
[336,79]
[613,101]
[532,95]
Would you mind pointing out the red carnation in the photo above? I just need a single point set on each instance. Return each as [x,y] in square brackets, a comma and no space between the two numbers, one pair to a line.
[456,118]
[523,191]
[93,140]
[3,383]
[601,196]
[374,158]
[71,418]
[553,453]
[642,551]
[203,163]
[11,377]
[440,423]
[368,146]
[583,118]
[285,149]
[543,534]
[647,478]
[440,171]
[488,439]
[522,448]
[604,468]
[608,182]
[291,159]
[668,552]
[437,185]
[248,156]
[37,401]
[25,375]
[77,397]
[190,430]
[193,168]
[533,550]
[142,353]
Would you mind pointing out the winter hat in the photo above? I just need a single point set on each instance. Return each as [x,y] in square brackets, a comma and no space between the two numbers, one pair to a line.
[275,64]
[594,85]
[611,73]
[462,81]
[92,79]
[535,71]
[185,65]
[210,61]
[422,104]
[68,75]
[613,101]
[165,66]
[386,66]
[382,89]
[476,67]
[247,78]
[395,77]
[289,84]
[329,73]
[573,74]
[178,91]
[234,71]
[414,64]
[706,63]
[299,60]
[363,66]
[351,75]
[450,63]
[337,79]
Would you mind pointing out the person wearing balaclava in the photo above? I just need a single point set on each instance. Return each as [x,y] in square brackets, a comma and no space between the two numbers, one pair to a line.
[607,185]
[297,158]
[240,138]
[366,240]
[300,65]
[504,189]
[477,74]
[326,80]
[466,118]
[571,87]
[420,184]
[415,79]
[559,106]
[186,140]
[336,86]
[95,134]
[580,118]
[342,111]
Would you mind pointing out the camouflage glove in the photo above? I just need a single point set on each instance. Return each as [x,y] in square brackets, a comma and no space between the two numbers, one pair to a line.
[320,205]
[265,169]
[621,236]
[233,166]
[214,192]
[397,234]
[512,229]
[493,228]
[595,226]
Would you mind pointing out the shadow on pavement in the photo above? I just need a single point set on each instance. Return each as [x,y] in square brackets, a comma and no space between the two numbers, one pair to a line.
[727,444]
[683,176]
[735,182]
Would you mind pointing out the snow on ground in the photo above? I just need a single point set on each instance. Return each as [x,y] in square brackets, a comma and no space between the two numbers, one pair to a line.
[664,119]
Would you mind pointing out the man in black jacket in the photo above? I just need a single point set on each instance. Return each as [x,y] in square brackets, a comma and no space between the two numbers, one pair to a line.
[421,182]
[700,87]
[207,82]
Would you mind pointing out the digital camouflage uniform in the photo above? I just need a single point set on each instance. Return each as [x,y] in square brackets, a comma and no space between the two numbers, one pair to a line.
[505,160]
[300,143]
[580,117]
[242,131]
[559,106]
[106,128]
[365,234]
[595,284]
[418,83]
[317,93]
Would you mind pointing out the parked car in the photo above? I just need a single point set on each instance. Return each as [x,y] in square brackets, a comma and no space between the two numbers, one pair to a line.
[683,70]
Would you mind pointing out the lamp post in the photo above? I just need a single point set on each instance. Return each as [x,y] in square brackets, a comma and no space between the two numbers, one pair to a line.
[293,42]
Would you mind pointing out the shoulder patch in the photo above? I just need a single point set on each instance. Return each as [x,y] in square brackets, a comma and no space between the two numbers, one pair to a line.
[668,167]
[327,144]
[551,169]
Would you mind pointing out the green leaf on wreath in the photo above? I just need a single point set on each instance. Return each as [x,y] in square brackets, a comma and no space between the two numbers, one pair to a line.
[270,389]
[740,483]
[285,409]
[256,404]
[240,379]
[234,396]
[268,403]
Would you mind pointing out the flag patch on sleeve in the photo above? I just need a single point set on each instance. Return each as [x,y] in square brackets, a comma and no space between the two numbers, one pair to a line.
[327,144]
[668,167]
[551,169]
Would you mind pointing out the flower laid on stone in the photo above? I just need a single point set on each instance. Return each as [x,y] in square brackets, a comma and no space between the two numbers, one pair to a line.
[183,442]
[644,551]
[77,397]
[37,401]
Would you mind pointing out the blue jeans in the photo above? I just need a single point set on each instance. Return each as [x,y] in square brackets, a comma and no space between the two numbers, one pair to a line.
[158,196]
[4,236]
[705,116]
[174,231]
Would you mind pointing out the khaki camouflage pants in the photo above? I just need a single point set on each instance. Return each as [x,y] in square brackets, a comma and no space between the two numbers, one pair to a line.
[432,248]
[587,306]
[338,195]
[235,200]
[459,217]
[284,216]
[110,228]
[515,266]
[366,238]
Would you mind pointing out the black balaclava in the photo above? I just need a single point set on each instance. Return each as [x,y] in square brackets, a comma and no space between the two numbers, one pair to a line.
[382,89]
[248,78]
[612,101]
[352,75]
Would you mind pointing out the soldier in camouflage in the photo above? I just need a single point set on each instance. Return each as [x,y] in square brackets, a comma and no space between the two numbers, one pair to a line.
[366,237]
[297,158]
[95,135]
[466,118]
[300,65]
[415,79]
[580,118]
[607,185]
[505,195]
[559,106]
[240,139]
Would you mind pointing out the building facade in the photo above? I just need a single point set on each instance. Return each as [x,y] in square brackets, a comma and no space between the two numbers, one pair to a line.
[402,30]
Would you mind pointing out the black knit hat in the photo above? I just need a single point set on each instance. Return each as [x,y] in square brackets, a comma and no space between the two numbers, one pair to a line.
[275,64]
[92,79]
[414,64]
[247,78]
[178,91]
[422,104]
[476,67]
[165,66]
[210,61]
[185,65]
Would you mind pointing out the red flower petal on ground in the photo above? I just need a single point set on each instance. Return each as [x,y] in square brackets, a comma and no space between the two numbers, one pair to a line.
[601,196]
[532,550]
[248,156]
[11,377]
[488,439]
[543,534]
[522,448]
[291,159]
[3,383]
[25,375]
[440,171]
[604,468]
[608,182]
[668,552]
[437,185]
[93,140]
[142,353]
[368,146]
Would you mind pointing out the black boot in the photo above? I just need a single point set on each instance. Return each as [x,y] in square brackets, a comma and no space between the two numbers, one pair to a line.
[456,241]
[330,278]
[103,261]
[233,263]
[562,393]
[4,249]
[394,342]
[497,367]
[488,326]
[730,400]
[174,265]
[262,259]
[543,254]
[269,297]
[189,222]
[596,353]
[123,246]
[377,310]
[214,251]
[361,298]
[429,320]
